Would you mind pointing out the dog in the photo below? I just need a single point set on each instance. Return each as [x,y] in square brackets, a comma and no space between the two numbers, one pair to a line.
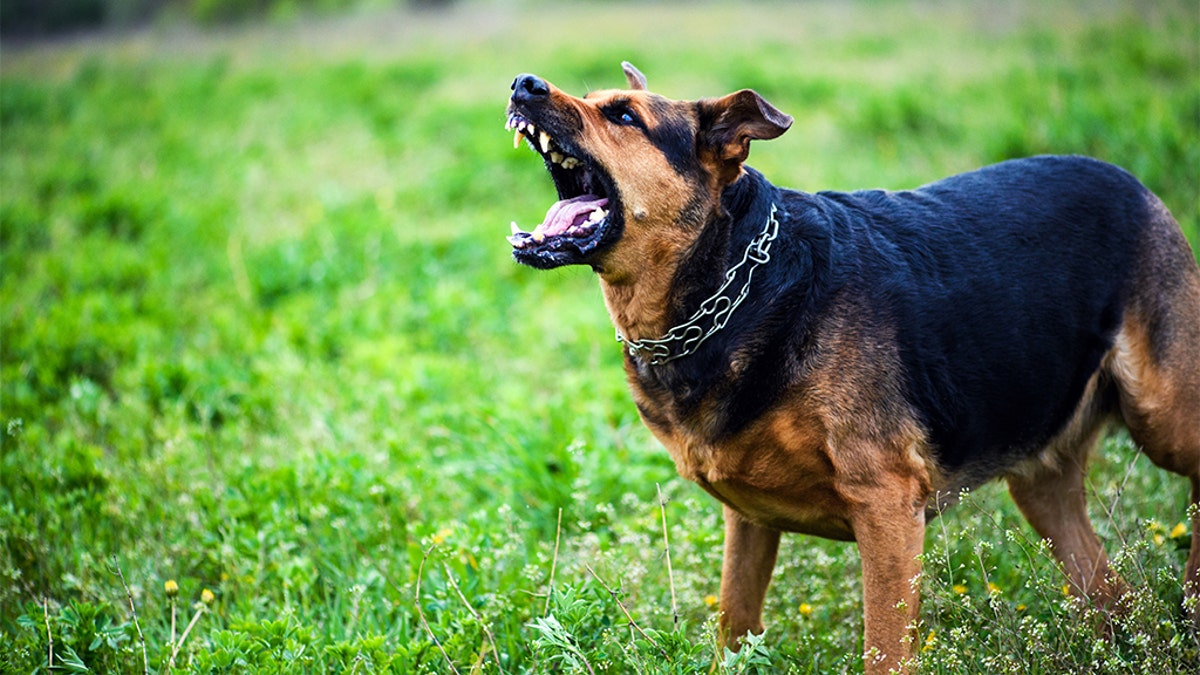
[844,364]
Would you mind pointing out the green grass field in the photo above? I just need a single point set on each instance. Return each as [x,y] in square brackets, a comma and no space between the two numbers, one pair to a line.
[261,337]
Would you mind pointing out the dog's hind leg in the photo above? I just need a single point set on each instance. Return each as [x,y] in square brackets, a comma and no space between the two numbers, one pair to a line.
[1051,494]
[1160,402]
[1156,365]
[750,552]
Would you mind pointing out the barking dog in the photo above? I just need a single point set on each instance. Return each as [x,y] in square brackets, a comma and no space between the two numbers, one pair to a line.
[844,364]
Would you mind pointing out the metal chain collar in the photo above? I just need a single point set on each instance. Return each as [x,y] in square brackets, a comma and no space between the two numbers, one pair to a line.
[690,335]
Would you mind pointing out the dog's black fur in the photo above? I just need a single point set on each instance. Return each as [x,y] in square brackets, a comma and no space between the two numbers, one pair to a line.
[1005,286]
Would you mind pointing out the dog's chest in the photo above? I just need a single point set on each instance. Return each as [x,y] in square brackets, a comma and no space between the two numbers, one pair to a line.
[777,471]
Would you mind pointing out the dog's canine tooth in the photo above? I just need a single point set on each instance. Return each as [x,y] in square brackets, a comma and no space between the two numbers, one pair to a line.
[515,229]
[544,140]
[516,139]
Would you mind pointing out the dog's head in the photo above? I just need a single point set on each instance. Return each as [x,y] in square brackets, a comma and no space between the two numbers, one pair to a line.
[637,174]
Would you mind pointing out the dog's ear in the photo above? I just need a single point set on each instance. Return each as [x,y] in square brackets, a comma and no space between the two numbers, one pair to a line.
[634,76]
[729,123]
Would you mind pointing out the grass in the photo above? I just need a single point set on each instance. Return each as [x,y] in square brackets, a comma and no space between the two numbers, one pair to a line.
[262,339]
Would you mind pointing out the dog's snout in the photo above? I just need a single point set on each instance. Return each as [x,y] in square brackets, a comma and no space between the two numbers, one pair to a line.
[529,88]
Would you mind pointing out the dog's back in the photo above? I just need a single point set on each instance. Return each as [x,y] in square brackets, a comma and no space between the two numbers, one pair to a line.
[1006,288]
[1032,302]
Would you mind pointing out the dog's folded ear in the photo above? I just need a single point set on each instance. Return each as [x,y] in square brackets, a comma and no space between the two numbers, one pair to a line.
[729,123]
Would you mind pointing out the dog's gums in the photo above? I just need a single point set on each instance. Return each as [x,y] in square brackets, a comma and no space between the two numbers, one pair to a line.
[574,227]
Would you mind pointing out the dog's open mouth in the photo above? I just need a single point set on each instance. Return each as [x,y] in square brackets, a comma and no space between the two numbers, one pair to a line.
[583,220]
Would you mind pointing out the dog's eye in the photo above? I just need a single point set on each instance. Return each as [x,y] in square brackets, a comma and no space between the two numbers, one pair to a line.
[622,115]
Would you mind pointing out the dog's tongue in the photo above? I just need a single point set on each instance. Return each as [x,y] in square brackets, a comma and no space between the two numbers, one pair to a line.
[568,213]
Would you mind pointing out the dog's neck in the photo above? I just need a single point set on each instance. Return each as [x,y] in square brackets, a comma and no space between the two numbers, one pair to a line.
[639,299]
[647,299]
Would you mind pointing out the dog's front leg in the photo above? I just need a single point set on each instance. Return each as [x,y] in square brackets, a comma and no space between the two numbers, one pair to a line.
[750,552]
[890,531]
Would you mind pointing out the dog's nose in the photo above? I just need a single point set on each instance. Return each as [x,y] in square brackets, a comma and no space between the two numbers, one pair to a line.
[529,88]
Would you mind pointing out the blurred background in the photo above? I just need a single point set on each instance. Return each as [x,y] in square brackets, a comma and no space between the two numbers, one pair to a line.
[261,335]
[40,18]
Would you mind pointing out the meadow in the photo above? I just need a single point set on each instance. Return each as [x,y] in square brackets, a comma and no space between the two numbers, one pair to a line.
[270,377]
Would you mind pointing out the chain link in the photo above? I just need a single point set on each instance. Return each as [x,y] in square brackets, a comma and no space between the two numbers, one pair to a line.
[690,335]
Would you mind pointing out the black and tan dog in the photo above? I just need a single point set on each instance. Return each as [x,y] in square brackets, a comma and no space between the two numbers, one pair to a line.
[843,364]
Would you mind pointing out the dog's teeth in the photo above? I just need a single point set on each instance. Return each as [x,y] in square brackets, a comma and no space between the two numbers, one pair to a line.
[516,139]
[544,140]
[515,229]
[570,163]
[556,157]
[539,237]
[529,128]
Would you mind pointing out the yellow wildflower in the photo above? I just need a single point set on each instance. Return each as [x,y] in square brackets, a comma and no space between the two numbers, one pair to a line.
[960,589]
[930,641]
[993,588]
[1178,531]
[207,597]
[171,588]
[440,537]
[806,609]
[1158,539]
[710,600]
[1066,589]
